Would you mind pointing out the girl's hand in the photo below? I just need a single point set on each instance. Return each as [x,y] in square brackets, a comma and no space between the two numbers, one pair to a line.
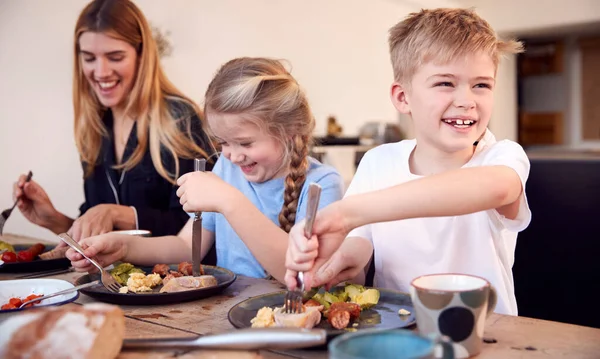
[105,249]
[205,192]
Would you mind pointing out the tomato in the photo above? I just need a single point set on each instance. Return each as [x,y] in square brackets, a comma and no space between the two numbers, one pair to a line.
[24,256]
[9,257]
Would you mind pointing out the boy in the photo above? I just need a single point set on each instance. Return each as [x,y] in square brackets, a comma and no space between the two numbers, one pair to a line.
[450,200]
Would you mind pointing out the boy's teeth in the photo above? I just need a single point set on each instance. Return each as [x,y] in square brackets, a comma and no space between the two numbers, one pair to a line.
[460,122]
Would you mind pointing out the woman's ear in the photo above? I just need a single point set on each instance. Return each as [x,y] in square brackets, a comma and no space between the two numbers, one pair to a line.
[399,97]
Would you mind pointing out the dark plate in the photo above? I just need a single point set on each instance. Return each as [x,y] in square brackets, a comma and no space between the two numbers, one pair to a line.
[224,279]
[382,316]
[37,265]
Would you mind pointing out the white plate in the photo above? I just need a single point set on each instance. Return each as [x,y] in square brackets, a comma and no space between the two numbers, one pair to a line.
[24,287]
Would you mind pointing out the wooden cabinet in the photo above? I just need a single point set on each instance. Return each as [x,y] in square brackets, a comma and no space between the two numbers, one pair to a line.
[541,128]
[590,88]
[542,58]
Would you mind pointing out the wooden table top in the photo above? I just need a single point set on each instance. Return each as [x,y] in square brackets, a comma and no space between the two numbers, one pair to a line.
[516,337]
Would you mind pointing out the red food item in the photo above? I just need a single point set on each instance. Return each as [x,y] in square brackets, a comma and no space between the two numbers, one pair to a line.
[31,297]
[312,303]
[185,268]
[37,249]
[339,319]
[25,256]
[8,306]
[9,257]
[161,269]
[352,308]
[15,301]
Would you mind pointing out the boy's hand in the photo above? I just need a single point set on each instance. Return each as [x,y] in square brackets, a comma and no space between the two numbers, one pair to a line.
[307,255]
[205,192]
[105,249]
[95,221]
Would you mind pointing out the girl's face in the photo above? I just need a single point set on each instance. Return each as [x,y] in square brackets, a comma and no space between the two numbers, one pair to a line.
[259,155]
[109,65]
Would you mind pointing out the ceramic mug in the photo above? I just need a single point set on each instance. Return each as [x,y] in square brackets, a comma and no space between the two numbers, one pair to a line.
[389,344]
[456,306]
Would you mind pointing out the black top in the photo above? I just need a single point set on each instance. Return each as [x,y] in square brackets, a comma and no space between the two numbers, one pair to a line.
[154,198]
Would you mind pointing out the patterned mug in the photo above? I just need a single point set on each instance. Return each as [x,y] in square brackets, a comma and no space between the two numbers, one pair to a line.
[456,306]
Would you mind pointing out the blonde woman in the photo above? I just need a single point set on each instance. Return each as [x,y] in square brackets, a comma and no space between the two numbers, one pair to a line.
[135,132]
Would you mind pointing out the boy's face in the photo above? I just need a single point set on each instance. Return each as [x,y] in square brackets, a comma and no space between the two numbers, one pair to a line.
[450,104]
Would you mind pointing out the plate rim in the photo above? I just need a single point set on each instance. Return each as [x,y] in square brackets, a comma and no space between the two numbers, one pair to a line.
[19,266]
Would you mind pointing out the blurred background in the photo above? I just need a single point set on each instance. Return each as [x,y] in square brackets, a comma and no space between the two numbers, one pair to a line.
[547,99]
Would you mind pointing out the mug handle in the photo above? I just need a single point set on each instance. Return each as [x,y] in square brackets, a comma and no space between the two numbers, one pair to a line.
[447,347]
[492,300]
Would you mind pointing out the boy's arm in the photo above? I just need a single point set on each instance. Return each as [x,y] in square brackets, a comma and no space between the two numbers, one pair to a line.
[452,193]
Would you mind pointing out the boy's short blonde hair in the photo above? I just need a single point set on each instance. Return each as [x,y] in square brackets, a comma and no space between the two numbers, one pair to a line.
[442,35]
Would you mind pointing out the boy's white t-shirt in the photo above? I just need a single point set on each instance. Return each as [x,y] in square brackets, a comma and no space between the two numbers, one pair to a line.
[481,243]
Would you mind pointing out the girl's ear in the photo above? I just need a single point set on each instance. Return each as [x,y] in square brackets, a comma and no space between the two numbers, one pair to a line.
[399,97]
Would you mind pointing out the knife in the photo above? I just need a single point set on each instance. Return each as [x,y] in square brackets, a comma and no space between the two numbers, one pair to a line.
[242,339]
[199,165]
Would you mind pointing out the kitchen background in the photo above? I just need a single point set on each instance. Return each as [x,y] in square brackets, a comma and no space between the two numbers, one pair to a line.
[338,52]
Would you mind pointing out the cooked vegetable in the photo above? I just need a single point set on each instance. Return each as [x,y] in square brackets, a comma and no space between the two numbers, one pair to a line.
[9,257]
[8,247]
[122,272]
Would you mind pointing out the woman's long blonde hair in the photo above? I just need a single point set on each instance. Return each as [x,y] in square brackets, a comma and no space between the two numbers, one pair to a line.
[147,102]
[262,89]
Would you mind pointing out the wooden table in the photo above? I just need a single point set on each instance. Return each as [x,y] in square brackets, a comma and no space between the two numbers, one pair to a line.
[517,337]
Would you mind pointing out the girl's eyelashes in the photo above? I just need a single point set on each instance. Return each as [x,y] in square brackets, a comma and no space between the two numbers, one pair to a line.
[444,84]
[484,85]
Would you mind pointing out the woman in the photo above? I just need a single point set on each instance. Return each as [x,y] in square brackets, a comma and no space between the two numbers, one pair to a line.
[135,132]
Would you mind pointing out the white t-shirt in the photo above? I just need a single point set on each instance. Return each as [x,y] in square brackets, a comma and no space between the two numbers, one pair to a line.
[481,243]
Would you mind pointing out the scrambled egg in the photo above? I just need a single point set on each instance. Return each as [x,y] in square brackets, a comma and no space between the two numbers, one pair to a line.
[139,282]
[264,318]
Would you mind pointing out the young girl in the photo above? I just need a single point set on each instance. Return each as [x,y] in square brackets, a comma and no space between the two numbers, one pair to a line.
[258,187]
[135,132]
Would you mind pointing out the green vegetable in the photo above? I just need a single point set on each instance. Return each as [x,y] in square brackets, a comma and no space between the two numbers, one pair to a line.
[8,247]
[368,298]
[121,272]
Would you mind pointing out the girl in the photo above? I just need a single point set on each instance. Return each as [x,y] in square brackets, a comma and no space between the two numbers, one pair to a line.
[135,132]
[257,191]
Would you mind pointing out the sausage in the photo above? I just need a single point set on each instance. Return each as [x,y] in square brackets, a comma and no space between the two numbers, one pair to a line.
[185,268]
[37,249]
[161,269]
[312,303]
[339,319]
[352,308]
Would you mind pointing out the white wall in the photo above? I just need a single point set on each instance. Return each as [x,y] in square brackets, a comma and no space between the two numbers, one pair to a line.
[337,48]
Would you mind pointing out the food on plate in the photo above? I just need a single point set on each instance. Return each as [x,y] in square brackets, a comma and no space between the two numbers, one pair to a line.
[310,317]
[403,312]
[161,269]
[31,253]
[140,282]
[122,272]
[185,268]
[93,330]
[7,246]
[16,302]
[55,253]
[172,274]
[181,284]
[340,308]
[9,257]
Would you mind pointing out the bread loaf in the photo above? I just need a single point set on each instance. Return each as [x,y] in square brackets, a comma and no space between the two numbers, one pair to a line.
[72,331]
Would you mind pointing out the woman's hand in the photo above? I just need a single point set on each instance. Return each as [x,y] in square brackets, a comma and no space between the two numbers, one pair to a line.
[35,204]
[105,249]
[205,192]
[96,220]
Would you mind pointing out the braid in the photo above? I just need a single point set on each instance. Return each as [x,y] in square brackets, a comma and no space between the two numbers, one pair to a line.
[294,181]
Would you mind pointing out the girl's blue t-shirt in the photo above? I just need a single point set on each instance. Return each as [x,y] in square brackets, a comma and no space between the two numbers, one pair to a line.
[232,252]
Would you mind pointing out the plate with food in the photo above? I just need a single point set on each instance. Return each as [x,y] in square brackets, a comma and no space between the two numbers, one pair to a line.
[343,309]
[32,258]
[14,292]
[161,284]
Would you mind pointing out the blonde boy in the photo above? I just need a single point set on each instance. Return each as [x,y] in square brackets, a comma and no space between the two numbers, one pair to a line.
[450,200]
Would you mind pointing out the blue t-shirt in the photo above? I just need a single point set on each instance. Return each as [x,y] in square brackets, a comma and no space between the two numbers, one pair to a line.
[232,252]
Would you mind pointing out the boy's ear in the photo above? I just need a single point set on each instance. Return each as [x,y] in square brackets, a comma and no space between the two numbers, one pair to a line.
[399,98]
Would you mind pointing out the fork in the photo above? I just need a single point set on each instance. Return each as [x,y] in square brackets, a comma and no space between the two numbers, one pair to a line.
[62,292]
[293,298]
[6,213]
[107,280]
